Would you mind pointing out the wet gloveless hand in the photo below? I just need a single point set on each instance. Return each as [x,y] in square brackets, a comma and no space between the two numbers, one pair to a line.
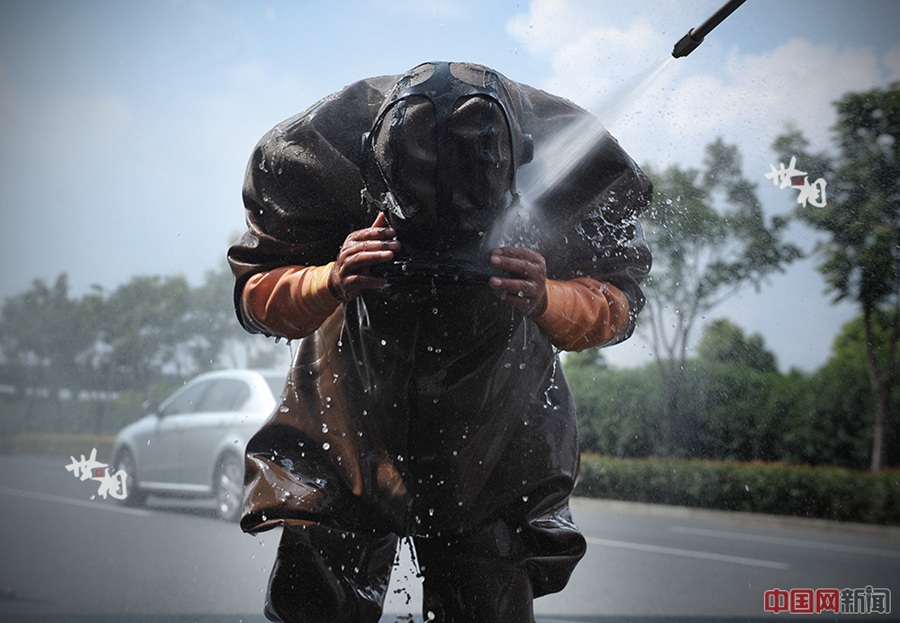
[528,292]
[361,250]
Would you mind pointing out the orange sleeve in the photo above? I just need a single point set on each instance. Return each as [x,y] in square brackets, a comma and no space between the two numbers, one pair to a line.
[292,301]
[582,313]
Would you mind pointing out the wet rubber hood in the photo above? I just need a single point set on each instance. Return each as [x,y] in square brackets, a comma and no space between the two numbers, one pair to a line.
[442,155]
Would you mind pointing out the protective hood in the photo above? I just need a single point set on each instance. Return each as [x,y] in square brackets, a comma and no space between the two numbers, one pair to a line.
[442,155]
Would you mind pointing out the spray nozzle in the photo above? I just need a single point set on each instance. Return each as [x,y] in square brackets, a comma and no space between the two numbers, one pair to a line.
[686,45]
[694,37]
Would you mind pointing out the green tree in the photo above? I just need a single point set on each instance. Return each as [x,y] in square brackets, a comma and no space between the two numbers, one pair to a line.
[834,416]
[46,337]
[145,329]
[723,341]
[729,414]
[145,336]
[710,239]
[616,408]
[861,257]
[219,340]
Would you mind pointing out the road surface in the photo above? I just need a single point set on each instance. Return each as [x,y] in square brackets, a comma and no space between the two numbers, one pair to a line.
[69,555]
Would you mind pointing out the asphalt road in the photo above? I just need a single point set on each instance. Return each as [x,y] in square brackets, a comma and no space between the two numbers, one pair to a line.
[68,555]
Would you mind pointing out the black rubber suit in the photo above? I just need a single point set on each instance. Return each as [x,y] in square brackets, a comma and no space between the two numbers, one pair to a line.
[429,408]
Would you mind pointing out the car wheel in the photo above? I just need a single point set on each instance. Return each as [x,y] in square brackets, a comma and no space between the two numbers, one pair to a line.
[133,494]
[229,487]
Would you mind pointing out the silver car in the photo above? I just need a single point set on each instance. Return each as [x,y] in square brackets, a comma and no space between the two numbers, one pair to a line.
[193,444]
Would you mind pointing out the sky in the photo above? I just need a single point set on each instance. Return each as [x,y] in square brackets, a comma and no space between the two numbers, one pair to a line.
[125,127]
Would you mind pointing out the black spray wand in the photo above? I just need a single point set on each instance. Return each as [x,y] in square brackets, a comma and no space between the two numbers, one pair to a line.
[692,40]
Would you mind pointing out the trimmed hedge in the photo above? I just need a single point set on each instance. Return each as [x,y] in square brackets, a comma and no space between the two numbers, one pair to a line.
[58,445]
[773,488]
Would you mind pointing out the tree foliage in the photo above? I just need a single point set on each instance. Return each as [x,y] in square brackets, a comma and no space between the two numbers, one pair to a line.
[737,405]
[710,239]
[860,260]
[725,342]
[147,331]
[46,337]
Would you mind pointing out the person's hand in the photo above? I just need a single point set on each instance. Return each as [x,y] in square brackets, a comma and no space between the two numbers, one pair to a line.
[361,250]
[527,291]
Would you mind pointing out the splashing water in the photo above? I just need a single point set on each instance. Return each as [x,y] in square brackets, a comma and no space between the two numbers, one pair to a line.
[556,158]
[626,97]
[562,153]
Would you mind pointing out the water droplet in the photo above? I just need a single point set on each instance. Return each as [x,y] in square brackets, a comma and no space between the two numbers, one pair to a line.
[326,446]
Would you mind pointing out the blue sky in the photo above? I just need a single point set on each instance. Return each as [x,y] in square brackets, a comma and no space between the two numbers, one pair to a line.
[125,127]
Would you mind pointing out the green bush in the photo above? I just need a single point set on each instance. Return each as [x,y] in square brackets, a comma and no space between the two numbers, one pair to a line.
[773,488]
[58,445]
[95,416]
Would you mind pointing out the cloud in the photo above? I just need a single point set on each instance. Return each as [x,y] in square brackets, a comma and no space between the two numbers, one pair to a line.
[598,59]
[593,64]
[752,100]
[589,53]
[547,26]
[892,62]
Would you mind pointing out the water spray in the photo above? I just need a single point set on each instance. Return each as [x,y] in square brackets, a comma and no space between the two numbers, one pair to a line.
[694,37]
[556,160]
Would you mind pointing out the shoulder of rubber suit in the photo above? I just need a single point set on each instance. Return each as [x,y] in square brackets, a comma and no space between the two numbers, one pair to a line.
[336,122]
[307,166]
[319,150]
[340,119]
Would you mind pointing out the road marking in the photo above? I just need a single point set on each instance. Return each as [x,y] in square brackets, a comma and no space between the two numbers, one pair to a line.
[774,540]
[671,551]
[73,502]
